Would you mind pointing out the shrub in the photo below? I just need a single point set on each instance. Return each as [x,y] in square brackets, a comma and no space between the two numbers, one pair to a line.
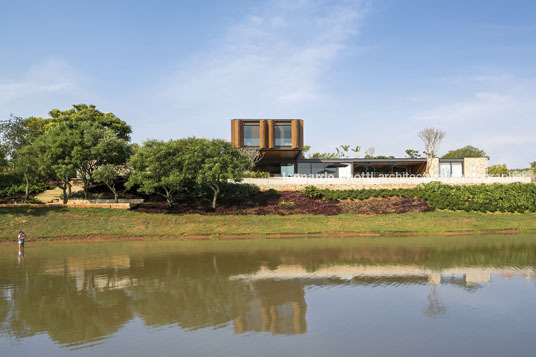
[11,185]
[256,174]
[500,169]
[271,193]
[514,197]
[237,192]
[313,192]
[286,205]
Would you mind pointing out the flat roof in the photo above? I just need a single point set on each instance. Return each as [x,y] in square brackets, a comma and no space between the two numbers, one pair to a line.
[250,119]
[378,161]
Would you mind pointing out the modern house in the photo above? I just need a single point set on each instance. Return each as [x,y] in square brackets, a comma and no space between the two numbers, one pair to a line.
[280,143]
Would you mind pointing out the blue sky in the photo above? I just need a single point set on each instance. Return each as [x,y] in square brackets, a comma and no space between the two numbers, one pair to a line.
[368,73]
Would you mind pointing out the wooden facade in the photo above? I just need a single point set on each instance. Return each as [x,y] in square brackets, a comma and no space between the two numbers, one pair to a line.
[267,136]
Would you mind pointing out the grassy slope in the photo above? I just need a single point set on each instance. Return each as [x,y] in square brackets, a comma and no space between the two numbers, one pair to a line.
[64,222]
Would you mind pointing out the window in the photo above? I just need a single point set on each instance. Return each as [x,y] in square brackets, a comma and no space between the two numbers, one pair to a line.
[304,168]
[457,169]
[283,135]
[450,169]
[251,135]
[287,170]
[316,169]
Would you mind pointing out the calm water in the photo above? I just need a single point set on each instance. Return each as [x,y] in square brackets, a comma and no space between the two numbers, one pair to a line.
[455,296]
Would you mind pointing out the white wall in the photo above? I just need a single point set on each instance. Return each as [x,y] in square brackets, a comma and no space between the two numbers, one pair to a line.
[345,172]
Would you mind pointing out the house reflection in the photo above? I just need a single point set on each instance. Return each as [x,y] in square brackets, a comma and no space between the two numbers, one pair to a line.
[274,306]
[86,297]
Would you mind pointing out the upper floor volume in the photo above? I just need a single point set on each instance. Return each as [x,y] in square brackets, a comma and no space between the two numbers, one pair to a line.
[267,134]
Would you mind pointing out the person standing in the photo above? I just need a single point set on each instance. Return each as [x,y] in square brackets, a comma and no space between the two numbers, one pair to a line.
[21,239]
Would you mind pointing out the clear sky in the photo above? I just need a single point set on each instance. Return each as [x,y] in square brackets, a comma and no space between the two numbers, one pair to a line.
[368,73]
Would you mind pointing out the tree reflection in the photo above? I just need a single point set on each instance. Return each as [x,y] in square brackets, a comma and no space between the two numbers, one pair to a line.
[80,298]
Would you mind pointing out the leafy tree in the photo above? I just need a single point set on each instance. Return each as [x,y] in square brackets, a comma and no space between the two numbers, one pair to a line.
[108,174]
[17,132]
[356,149]
[344,150]
[13,135]
[26,165]
[413,154]
[39,126]
[98,146]
[498,170]
[533,166]
[432,139]
[159,168]
[215,161]
[3,158]
[55,153]
[467,151]
[89,113]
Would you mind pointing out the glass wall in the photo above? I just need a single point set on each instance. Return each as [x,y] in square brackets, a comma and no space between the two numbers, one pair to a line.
[287,170]
[283,135]
[450,169]
[316,169]
[251,135]
[457,169]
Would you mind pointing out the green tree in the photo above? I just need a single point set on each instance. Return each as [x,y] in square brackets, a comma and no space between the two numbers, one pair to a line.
[467,151]
[3,159]
[97,146]
[214,162]
[26,165]
[17,132]
[108,174]
[13,135]
[89,113]
[498,170]
[344,150]
[413,154]
[533,166]
[55,154]
[38,126]
[159,168]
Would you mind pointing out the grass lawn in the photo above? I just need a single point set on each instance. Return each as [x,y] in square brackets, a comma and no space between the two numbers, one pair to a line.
[52,222]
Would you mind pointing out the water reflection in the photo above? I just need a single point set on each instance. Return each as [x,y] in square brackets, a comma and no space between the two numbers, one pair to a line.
[83,293]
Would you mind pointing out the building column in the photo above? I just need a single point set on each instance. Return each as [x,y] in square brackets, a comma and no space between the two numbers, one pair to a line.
[263,134]
[271,139]
[432,166]
[295,134]
[235,133]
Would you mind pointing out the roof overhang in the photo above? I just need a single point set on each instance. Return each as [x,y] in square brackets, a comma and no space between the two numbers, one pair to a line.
[407,161]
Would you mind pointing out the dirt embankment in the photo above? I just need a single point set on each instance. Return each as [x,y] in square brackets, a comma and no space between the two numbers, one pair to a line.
[291,202]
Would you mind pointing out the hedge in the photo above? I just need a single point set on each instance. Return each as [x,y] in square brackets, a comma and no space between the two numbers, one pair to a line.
[514,197]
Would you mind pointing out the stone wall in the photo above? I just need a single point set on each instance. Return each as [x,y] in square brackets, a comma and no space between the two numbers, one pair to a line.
[125,206]
[298,183]
[475,166]
[432,166]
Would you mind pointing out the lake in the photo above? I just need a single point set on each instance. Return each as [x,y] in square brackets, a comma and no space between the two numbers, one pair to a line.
[396,296]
